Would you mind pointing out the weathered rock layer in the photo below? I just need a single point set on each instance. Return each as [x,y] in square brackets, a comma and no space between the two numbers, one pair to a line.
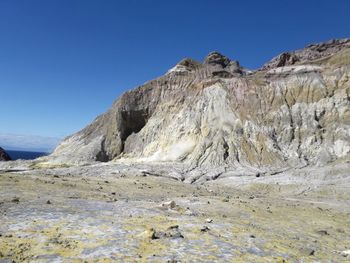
[294,111]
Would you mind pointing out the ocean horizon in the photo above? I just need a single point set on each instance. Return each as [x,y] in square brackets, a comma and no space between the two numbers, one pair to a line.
[25,155]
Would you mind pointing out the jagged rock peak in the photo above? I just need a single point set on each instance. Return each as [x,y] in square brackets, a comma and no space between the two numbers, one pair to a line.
[4,156]
[216,58]
[218,64]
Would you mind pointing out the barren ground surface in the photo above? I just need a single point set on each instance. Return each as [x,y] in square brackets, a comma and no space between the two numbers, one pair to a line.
[65,218]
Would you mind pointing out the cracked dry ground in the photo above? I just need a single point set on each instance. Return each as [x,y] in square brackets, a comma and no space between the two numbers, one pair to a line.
[132,219]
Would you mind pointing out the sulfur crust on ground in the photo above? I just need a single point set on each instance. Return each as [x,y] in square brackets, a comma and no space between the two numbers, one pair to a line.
[108,219]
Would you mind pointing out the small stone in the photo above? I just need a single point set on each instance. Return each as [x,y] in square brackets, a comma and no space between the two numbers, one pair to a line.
[173,227]
[175,234]
[226,199]
[15,200]
[345,253]
[189,212]
[323,232]
[205,229]
[308,251]
[156,234]
[171,232]
[169,205]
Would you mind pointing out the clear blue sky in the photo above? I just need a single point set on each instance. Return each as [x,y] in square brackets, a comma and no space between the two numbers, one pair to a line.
[63,62]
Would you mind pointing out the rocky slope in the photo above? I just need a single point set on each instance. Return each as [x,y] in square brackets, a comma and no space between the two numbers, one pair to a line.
[4,156]
[294,111]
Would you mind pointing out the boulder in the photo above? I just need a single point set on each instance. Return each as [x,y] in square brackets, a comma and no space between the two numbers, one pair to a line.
[4,156]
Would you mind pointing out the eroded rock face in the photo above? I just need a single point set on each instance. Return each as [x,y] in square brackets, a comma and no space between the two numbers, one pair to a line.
[294,111]
[4,156]
[309,54]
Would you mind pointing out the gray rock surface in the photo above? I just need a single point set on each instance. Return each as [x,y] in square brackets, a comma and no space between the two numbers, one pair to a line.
[4,156]
[109,212]
[293,112]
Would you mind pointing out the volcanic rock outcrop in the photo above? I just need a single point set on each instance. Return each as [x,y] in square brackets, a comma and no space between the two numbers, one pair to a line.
[294,111]
[4,156]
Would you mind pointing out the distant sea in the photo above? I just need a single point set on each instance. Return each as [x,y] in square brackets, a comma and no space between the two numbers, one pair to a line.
[15,155]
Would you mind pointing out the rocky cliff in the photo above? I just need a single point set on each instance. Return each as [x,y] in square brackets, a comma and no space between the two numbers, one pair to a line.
[294,111]
[4,156]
